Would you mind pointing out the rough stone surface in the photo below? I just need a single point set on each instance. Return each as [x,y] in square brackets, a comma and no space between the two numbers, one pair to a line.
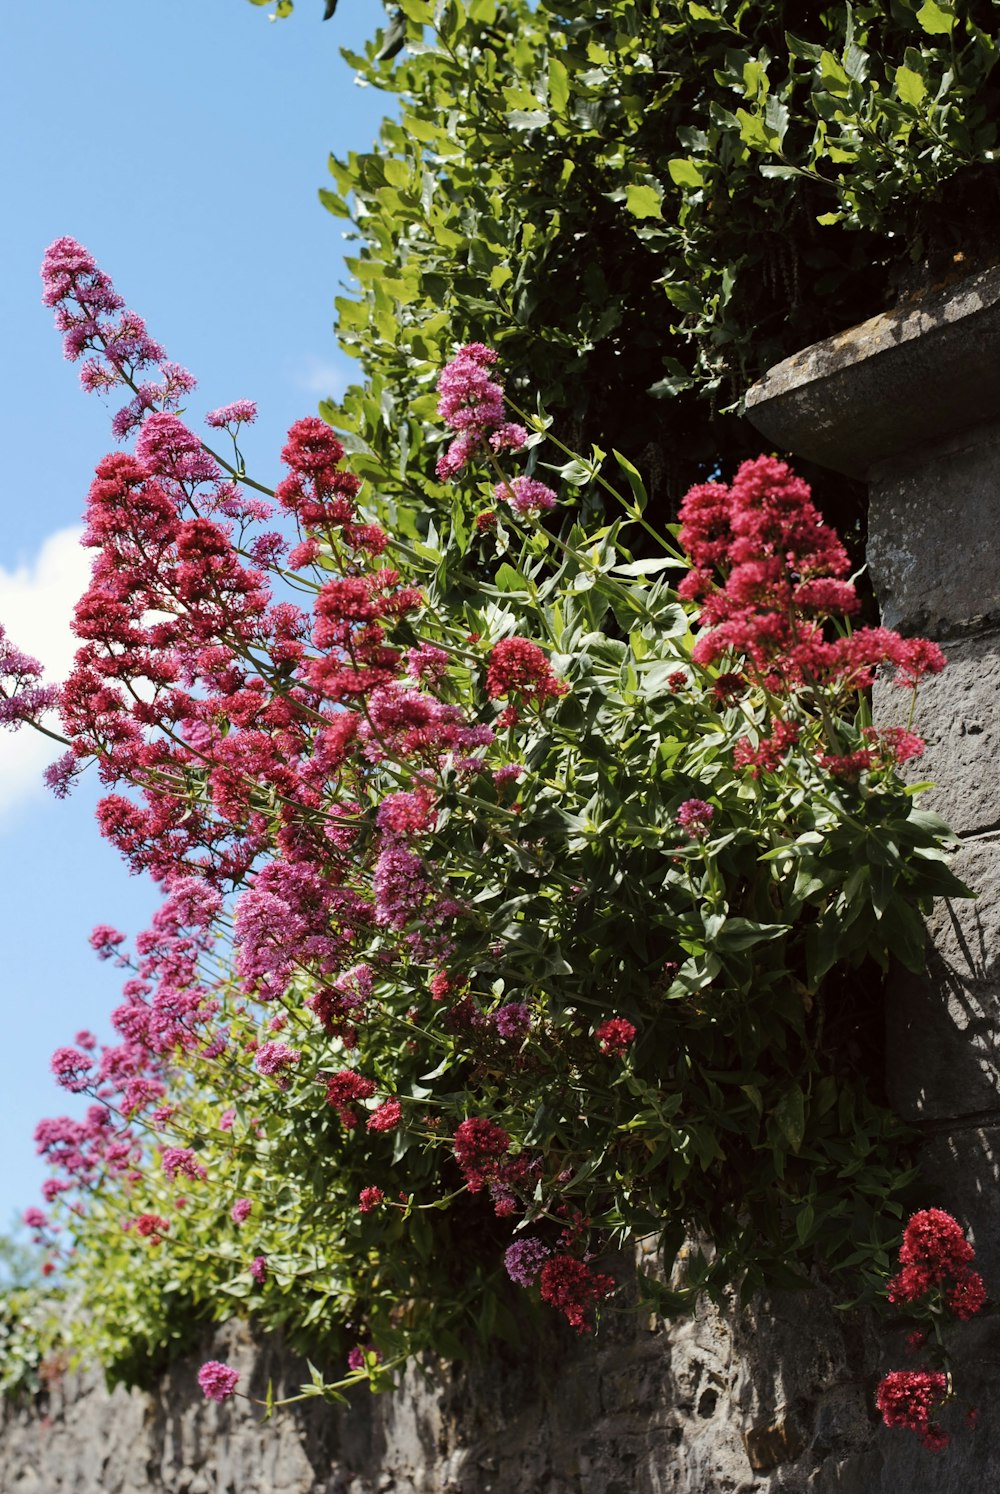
[888,384]
[961,1164]
[934,521]
[755,1400]
[773,1399]
[944,1037]
[958,715]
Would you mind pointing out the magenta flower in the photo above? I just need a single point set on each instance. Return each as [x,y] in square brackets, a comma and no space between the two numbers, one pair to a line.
[72,1069]
[528,497]
[274,1058]
[471,403]
[240,412]
[218,1381]
[180,1159]
[694,817]
[512,1021]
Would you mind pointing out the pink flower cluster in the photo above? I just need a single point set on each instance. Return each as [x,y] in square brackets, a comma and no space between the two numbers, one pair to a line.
[768,572]
[218,1381]
[528,497]
[695,818]
[471,403]
[23,698]
[93,319]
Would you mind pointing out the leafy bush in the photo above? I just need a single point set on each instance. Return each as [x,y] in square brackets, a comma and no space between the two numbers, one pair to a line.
[643,206]
[518,905]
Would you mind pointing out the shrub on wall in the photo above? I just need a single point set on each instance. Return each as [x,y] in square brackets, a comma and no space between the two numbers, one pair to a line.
[517,892]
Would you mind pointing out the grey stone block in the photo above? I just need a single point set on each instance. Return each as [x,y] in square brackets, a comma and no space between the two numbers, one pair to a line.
[958,715]
[944,1029]
[934,534]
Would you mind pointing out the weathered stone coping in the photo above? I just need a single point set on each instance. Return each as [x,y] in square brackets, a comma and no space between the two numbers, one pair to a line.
[892,383]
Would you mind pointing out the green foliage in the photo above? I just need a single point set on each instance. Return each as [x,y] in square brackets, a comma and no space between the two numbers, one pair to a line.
[645,205]
[28,1327]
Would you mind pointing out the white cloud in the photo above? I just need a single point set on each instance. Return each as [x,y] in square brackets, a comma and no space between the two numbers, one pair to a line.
[36,605]
[321,376]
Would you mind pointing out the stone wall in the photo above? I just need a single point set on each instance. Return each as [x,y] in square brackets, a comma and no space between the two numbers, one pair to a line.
[768,1399]
[911,402]
[776,1398]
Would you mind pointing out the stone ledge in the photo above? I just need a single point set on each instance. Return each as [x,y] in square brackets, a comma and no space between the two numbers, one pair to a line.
[891,383]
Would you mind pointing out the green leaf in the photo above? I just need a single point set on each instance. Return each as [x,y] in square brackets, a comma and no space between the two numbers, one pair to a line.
[558,85]
[686,173]
[643,201]
[527,119]
[509,579]
[675,380]
[789,1115]
[832,75]
[804,1223]
[910,85]
[634,480]
[935,19]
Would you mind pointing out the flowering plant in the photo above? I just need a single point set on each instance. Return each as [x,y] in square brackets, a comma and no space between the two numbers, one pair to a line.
[935,1282]
[516,905]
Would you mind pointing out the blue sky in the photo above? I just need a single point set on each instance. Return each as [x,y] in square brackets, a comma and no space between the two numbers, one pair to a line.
[183,143]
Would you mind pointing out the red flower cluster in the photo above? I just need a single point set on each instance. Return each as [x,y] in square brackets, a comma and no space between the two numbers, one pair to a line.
[906,1398]
[935,1256]
[571,1286]
[936,1275]
[614,1035]
[767,756]
[518,669]
[781,568]
[152,1227]
[480,1146]
[386,1117]
[343,1090]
